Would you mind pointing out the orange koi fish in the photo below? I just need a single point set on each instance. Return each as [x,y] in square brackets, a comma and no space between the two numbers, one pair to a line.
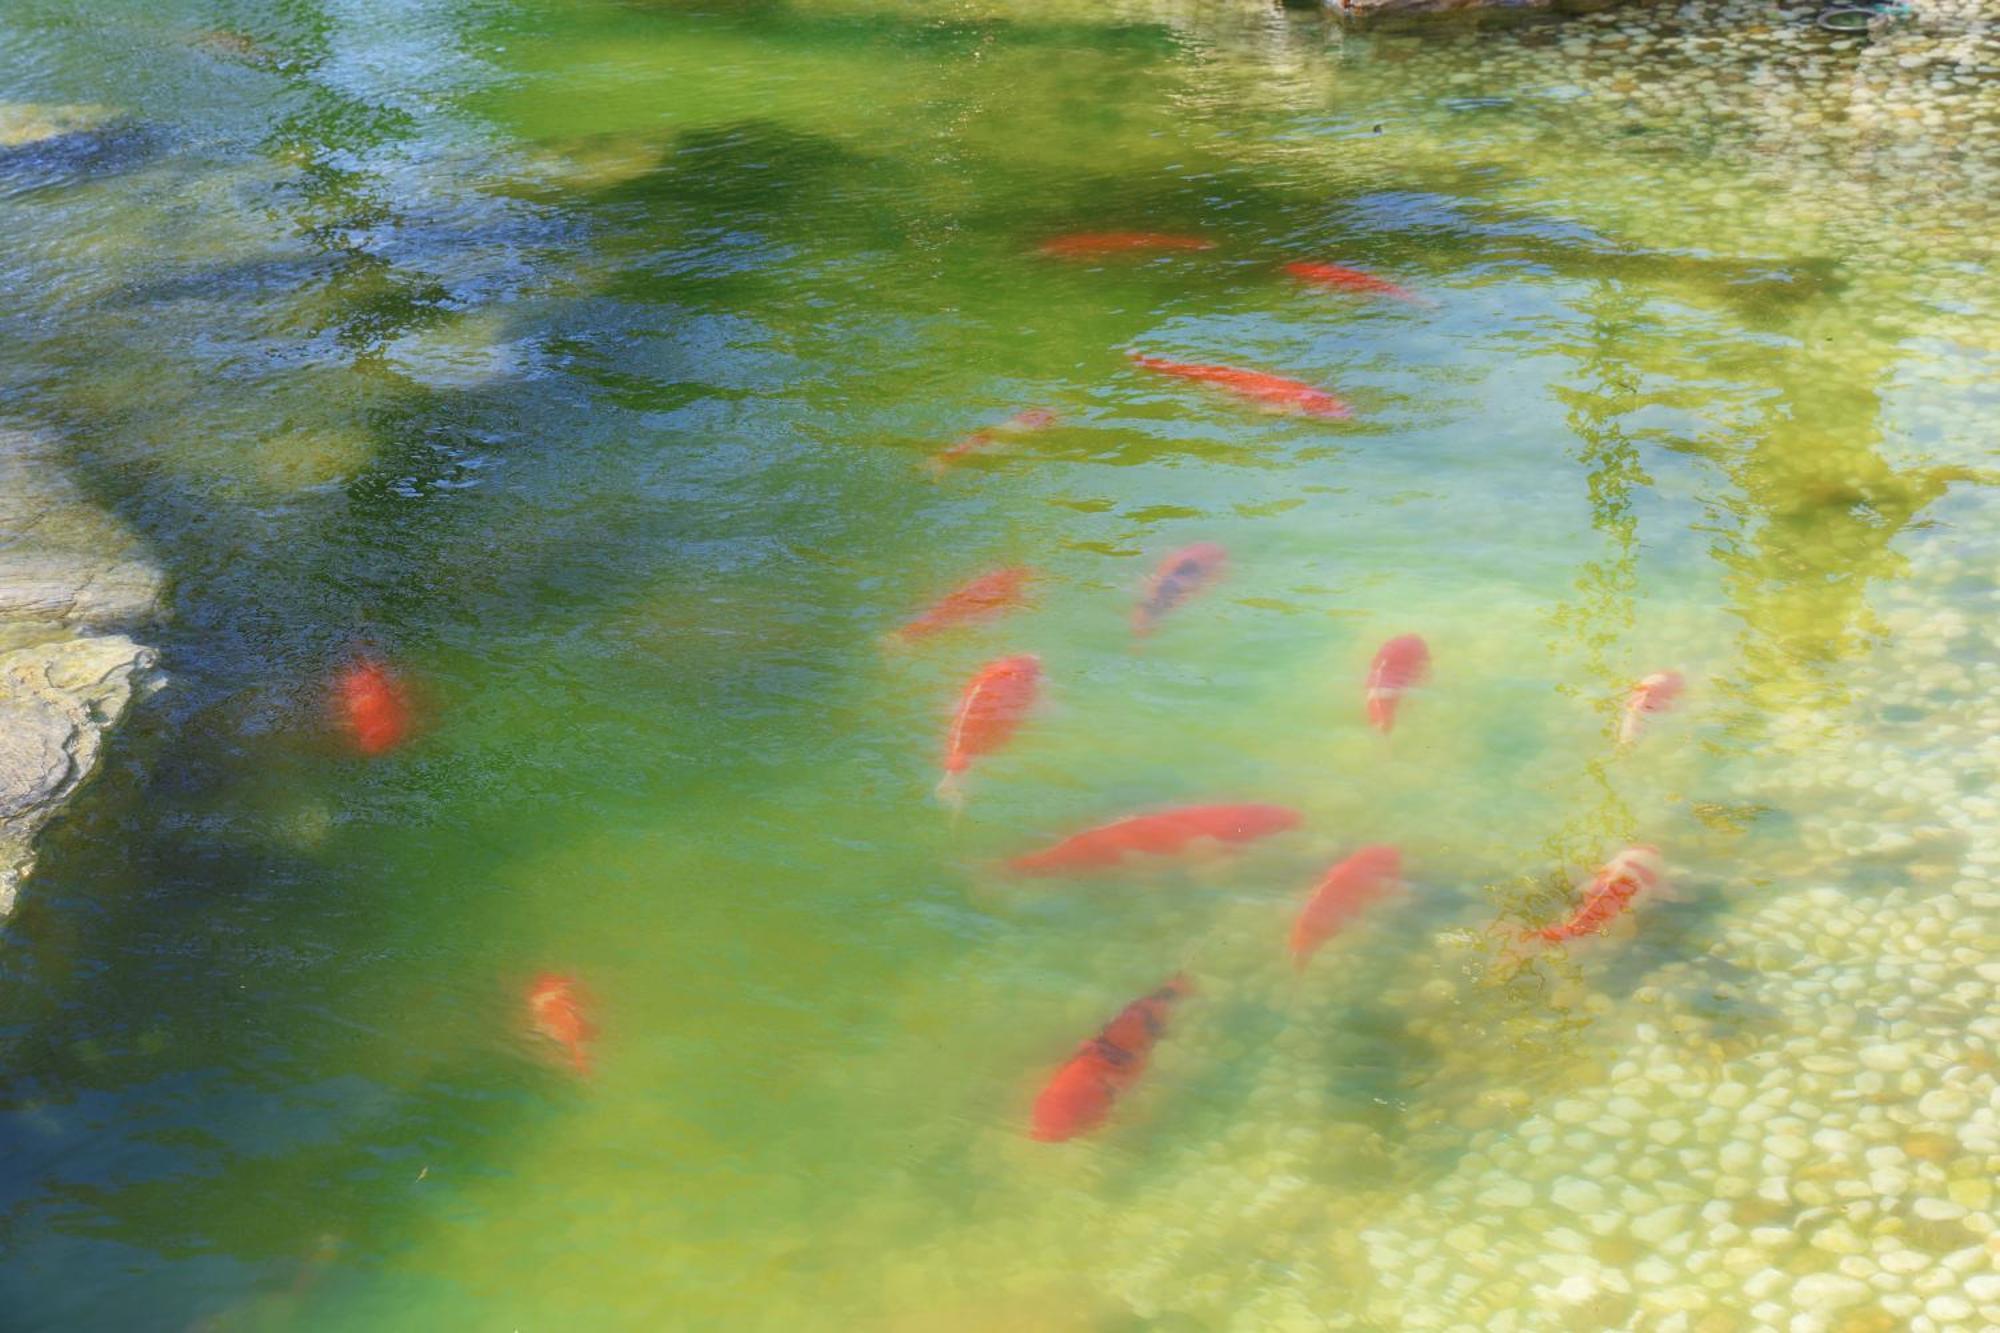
[1655,694]
[555,1011]
[1161,834]
[1021,423]
[986,596]
[989,712]
[1272,392]
[1347,890]
[1080,1096]
[1402,664]
[1610,893]
[1179,577]
[1349,280]
[372,707]
[1104,244]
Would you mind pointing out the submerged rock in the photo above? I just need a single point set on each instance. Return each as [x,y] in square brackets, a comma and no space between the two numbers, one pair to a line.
[73,581]
[25,123]
[57,701]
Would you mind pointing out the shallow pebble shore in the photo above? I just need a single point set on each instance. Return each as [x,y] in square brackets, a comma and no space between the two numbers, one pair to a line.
[1840,1173]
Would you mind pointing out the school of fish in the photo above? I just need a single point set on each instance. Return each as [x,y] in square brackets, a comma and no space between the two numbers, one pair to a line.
[371,707]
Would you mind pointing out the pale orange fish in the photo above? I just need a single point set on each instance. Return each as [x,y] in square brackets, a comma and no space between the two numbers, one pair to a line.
[1273,392]
[1179,577]
[994,704]
[986,437]
[555,1011]
[1162,833]
[1402,664]
[1636,869]
[1655,694]
[372,707]
[1081,1094]
[1103,244]
[1344,894]
[984,597]
[1344,279]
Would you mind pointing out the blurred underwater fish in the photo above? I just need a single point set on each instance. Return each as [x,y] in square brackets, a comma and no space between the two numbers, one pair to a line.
[1025,422]
[1080,1095]
[1272,392]
[981,598]
[1179,577]
[1103,244]
[1351,280]
[1636,869]
[989,712]
[555,1011]
[1655,694]
[1400,665]
[372,706]
[1348,889]
[1162,834]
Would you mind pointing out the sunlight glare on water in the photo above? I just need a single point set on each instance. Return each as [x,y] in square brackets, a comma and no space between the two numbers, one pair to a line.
[584,361]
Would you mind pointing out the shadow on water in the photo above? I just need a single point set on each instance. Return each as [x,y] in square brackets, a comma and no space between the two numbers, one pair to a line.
[76,155]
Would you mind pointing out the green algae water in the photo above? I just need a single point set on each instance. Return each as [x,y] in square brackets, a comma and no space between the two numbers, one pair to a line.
[582,360]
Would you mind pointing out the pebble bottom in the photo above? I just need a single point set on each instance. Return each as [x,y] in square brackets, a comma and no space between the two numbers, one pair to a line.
[1836,1173]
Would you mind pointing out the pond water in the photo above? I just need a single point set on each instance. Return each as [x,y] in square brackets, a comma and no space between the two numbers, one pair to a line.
[582,361]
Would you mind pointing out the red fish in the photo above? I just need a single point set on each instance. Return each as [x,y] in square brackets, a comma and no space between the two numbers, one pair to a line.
[987,595]
[1161,834]
[1655,694]
[1346,891]
[1179,577]
[1081,1094]
[1610,893]
[989,712]
[1102,244]
[1403,663]
[1273,392]
[1021,423]
[1349,280]
[372,707]
[555,1011]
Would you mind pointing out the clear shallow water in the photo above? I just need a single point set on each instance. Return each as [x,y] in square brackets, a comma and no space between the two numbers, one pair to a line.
[582,359]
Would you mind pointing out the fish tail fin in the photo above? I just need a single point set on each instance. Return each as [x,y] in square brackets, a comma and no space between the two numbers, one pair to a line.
[951,794]
[1381,711]
[1668,890]
[1190,963]
[1516,948]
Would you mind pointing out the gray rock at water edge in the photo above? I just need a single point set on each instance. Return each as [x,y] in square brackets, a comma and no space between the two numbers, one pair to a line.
[73,581]
[57,701]
[66,566]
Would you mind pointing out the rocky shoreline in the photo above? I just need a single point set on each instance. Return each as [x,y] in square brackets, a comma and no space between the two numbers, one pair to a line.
[75,586]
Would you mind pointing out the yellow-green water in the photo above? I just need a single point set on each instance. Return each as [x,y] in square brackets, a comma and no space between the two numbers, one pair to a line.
[581,358]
